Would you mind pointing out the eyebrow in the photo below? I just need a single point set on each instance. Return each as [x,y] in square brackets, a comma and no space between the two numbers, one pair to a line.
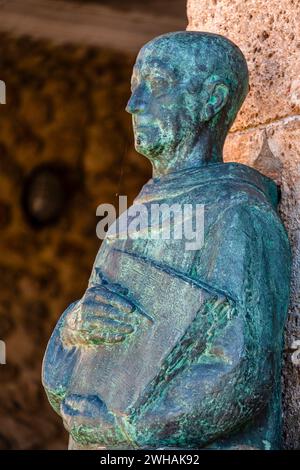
[155,64]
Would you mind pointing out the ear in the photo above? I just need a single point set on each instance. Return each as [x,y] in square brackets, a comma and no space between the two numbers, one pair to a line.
[214,97]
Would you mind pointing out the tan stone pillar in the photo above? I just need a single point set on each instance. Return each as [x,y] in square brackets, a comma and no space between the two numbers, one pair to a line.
[266,134]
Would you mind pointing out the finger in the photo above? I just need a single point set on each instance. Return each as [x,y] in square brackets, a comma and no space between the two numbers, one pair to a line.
[222,307]
[104,337]
[100,310]
[214,304]
[114,286]
[207,306]
[118,288]
[73,317]
[95,323]
[106,296]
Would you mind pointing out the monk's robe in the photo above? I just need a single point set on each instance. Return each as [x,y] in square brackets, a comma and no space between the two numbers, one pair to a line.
[202,368]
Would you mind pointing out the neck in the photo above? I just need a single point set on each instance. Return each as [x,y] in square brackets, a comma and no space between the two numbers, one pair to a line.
[195,151]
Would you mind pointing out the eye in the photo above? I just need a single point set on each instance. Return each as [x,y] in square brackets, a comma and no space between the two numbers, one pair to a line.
[159,85]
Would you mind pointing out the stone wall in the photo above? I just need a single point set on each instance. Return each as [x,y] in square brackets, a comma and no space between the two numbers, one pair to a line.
[64,107]
[266,134]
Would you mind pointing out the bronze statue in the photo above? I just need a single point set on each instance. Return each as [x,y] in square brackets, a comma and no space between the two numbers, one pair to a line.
[174,346]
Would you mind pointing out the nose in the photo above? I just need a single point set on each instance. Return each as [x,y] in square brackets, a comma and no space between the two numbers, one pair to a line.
[138,100]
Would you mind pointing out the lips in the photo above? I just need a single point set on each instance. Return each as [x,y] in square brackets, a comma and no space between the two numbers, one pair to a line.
[142,128]
[143,121]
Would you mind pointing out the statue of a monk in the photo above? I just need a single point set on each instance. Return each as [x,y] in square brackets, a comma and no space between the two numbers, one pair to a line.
[174,347]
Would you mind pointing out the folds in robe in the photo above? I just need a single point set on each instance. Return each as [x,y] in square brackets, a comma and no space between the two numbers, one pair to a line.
[244,259]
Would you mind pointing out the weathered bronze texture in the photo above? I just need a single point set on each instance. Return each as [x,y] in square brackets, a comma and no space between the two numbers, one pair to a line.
[177,348]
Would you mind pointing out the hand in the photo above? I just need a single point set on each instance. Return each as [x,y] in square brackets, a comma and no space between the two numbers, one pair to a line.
[91,424]
[101,316]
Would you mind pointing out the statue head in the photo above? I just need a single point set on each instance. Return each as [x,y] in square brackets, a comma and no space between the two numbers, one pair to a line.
[187,88]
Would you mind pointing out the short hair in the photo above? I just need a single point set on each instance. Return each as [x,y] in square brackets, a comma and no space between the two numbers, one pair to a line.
[204,54]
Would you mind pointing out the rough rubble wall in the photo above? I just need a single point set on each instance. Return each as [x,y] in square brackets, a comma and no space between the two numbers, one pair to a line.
[266,134]
[65,105]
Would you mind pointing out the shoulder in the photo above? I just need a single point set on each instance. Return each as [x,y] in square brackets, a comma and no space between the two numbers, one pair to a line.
[242,228]
[256,215]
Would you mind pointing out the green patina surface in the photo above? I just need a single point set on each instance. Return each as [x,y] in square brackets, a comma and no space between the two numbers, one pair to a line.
[172,347]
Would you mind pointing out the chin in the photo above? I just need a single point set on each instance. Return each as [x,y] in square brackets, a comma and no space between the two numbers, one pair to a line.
[149,151]
[149,140]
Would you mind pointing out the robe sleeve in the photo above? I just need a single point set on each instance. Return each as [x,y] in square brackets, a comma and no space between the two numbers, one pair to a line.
[216,387]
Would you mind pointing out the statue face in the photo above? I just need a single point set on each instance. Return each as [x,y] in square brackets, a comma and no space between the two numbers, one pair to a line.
[157,105]
[185,85]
